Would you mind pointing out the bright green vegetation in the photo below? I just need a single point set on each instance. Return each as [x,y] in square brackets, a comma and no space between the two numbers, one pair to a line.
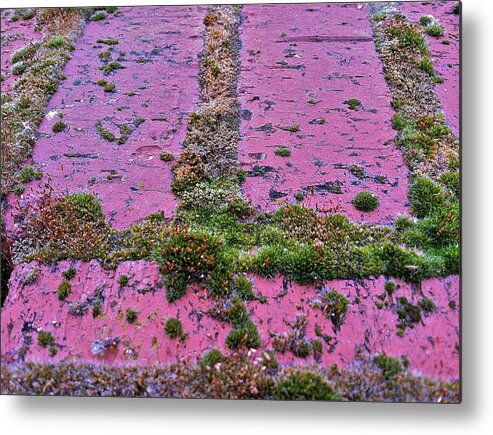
[69,274]
[59,126]
[299,196]
[28,174]
[45,339]
[353,103]
[108,41]
[366,201]
[434,30]
[98,16]
[237,377]
[131,315]
[243,288]
[110,67]
[301,385]
[123,280]
[64,290]
[212,357]
[283,151]
[109,87]
[173,328]
[390,366]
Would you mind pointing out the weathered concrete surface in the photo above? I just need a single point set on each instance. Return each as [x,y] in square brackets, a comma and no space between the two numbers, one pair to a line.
[430,345]
[15,35]
[161,47]
[295,55]
[445,57]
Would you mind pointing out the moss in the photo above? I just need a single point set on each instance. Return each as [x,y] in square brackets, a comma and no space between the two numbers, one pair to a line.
[365,201]
[64,290]
[456,8]
[353,103]
[390,287]
[110,67]
[105,56]
[105,134]
[59,126]
[335,306]
[434,30]
[389,366]
[69,274]
[97,310]
[102,82]
[292,128]
[98,16]
[283,151]
[425,197]
[212,357]
[304,386]
[452,181]
[427,305]
[58,41]
[28,174]
[166,157]
[27,14]
[109,41]
[317,347]
[173,328]
[299,196]
[45,339]
[52,351]
[243,287]
[425,20]
[18,190]
[123,280]
[357,171]
[426,65]
[313,102]
[245,336]
[109,87]
[26,52]
[131,315]
[408,314]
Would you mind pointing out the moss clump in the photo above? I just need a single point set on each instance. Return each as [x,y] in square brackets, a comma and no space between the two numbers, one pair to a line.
[166,157]
[102,82]
[301,385]
[425,196]
[434,30]
[365,201]
[19,189]
[390,288]
[426,65]
[408,314]
[97,310]
[212,357]
[245,336]
[98,16]
[45,339]
[292,128]
[427,305]
[28,174]
[299,196]
[109,41]
[173,328]
[353,103]
[110,67]
[105,56]
[123,280]
[335,306]
[283,151]
[243,287]
[109,88]
[105,133]
[425,20]
[69,274]
[26,52]
[59,126]
[131,315]
[52,351]
[64,290]
[389,366]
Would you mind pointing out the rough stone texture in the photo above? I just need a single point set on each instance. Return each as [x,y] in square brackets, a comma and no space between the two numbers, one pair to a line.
[430,345]
[15,35]
[161,46]
[322,52]
[445,57]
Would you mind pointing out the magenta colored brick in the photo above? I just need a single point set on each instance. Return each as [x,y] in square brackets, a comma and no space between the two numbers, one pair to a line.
[430,346]
[130,179]
[445,57]
[294,53]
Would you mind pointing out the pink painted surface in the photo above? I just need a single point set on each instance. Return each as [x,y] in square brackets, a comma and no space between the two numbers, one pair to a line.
[295,53]
[445,57]
[15,35]
[430,345]
[161,46]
